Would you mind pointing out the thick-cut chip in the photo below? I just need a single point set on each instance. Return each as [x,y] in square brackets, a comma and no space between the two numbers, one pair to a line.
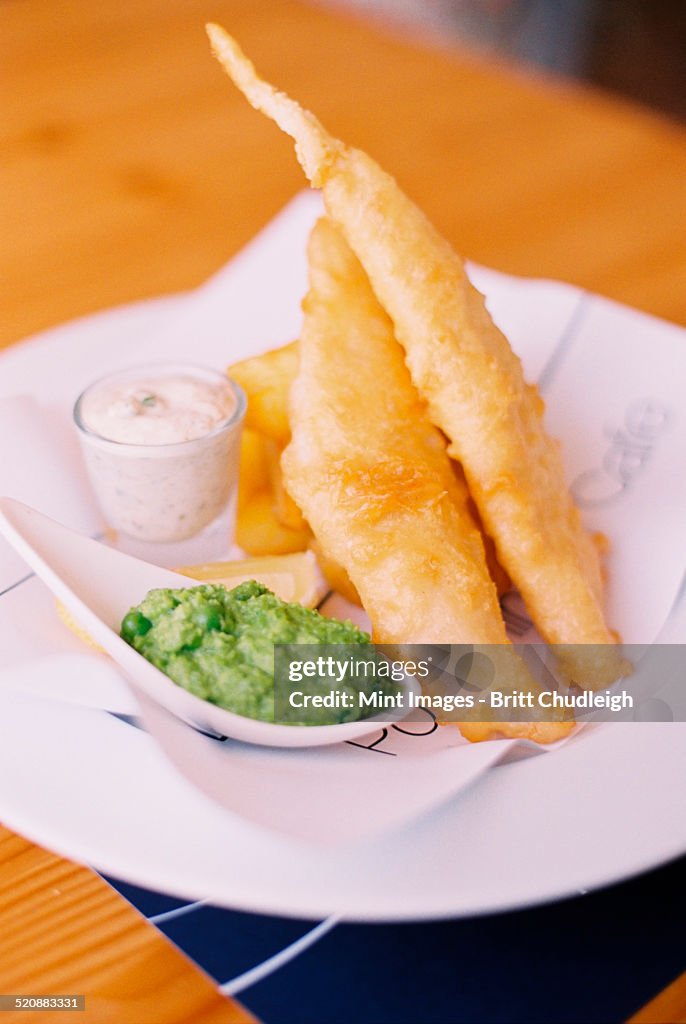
[373,479]
[464,367]
[253,475]
[266,380]
[267,520]
[259,531]
[285,509]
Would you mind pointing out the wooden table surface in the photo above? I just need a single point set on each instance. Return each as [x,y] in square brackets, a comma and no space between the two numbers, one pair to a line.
[131,167]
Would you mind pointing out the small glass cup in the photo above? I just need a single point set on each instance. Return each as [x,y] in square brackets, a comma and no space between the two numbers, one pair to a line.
[178,496]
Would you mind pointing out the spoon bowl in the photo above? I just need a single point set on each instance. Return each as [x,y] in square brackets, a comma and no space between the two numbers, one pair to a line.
[99,584]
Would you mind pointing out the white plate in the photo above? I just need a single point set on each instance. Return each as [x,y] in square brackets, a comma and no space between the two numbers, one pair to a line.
[607,805]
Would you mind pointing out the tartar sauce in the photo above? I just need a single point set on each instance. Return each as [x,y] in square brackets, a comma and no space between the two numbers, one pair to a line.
[161,448]
[166,410]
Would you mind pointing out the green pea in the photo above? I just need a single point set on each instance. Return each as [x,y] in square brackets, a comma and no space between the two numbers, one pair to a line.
[208,618]
[135,624]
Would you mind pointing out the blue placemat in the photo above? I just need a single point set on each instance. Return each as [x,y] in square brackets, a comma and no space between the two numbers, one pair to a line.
[594,959]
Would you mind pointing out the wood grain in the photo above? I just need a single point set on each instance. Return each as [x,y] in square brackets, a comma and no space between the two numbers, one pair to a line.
[65,931]
[669,1007]
[130,166]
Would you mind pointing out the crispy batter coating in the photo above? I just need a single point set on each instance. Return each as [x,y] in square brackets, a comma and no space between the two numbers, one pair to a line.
[266,380]
[371,473]
[373,479]
[473,382]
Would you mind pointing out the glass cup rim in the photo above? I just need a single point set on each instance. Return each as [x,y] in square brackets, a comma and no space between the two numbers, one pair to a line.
[233,419]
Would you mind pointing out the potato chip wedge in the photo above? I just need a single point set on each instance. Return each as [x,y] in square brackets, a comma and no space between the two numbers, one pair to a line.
[259,532]
[266,380]
[254,466]
[285,509]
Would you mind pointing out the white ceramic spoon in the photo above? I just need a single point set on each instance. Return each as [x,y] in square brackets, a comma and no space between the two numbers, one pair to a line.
[98,585]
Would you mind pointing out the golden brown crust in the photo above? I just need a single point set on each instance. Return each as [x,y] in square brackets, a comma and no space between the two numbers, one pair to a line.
[465,369]
[373,479]
[371,473]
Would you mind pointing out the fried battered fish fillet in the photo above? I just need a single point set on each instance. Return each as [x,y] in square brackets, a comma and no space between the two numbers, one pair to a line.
[464,368]
[267,380]
[374,481]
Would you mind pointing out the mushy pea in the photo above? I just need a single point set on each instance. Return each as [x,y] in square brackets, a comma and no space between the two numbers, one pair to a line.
[219,645]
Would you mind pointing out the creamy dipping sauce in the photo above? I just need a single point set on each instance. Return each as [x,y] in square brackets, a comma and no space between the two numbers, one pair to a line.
[161,447]
[166,410]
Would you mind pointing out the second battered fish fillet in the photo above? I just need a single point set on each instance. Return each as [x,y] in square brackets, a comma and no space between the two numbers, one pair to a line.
[373,479]
[463,366]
